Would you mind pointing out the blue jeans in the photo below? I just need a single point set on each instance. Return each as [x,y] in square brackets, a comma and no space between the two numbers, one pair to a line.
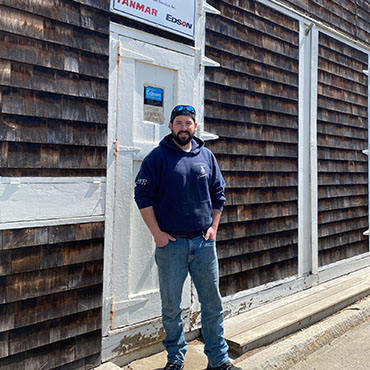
[197,257]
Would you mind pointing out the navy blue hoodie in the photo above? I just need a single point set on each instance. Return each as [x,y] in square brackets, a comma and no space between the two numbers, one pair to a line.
[182,187]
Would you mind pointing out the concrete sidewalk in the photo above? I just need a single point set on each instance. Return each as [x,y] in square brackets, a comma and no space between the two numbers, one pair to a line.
[264,325]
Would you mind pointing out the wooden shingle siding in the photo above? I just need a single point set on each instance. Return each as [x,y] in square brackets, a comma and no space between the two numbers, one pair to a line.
[251,102]
[342,135]
[53,88]
[54,67]
[51,296]
[348,16]
[32,25]
[79,352]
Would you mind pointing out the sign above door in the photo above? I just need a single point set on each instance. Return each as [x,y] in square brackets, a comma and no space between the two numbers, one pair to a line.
[176,16]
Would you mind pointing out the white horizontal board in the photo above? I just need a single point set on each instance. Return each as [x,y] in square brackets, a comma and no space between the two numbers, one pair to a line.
[38,201]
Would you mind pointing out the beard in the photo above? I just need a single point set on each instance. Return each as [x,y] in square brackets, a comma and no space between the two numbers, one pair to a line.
[182,141]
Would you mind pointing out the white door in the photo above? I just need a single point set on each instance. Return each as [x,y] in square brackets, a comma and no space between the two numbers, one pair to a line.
[149,80]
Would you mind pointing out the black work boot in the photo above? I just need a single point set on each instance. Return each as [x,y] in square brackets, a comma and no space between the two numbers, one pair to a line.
[172,366]
[226,366]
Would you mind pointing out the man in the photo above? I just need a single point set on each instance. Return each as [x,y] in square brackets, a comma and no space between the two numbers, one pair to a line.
[180,193]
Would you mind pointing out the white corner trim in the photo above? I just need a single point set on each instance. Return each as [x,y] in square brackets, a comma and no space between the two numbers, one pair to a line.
[205,135]
[42,201]
[208,62]
[367,151]
[313,144]
[210,9]
[304,183]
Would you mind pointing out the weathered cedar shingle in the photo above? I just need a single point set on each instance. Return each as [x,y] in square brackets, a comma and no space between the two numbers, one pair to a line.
[238,147]
[48,332]
[342,135]
[251,102]
[48,256]
[340,227]
[50,281]
[241,163]
[98,4]
[259,134]
[263,258]
[35,156]
[4,344]
[5,72]
[21,261]
[62,233]
[243,213]
[18,238]
[245,246]
[342,179]
[7,315]
[12,20]
[336,254]
[243,118]
[87,345]
[5,262]
[239,196]
[43,131]
[71,12]
[36,310]
[336,242]
[249,59]
[55,9]
[53,108]
[2,289]
[255,228]
[41,53]
[341,191]
[259,180]
[243,81]
[335,15]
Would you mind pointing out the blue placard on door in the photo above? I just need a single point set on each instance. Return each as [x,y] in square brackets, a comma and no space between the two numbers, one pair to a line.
[153,96]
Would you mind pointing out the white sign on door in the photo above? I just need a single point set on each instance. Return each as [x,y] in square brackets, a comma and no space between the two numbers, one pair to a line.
[176,16]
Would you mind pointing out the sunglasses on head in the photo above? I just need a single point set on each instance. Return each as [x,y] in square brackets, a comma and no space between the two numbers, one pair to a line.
[181,108]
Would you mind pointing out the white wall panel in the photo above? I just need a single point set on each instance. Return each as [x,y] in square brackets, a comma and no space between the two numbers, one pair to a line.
[39,201]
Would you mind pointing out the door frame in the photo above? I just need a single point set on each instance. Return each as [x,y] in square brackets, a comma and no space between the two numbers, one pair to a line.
[123,340]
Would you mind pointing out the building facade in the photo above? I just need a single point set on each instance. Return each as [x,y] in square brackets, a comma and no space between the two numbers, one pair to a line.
[283,88]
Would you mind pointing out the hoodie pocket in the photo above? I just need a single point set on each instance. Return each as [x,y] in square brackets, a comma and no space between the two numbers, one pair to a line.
[189,216]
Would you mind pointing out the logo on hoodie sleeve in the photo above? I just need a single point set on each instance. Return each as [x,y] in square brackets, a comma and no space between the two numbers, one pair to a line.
[142,182]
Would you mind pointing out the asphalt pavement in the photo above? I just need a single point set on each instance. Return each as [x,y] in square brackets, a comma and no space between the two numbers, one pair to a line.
[348,352]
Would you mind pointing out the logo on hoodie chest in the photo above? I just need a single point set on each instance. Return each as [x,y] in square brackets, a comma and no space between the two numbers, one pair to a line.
[201,169]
